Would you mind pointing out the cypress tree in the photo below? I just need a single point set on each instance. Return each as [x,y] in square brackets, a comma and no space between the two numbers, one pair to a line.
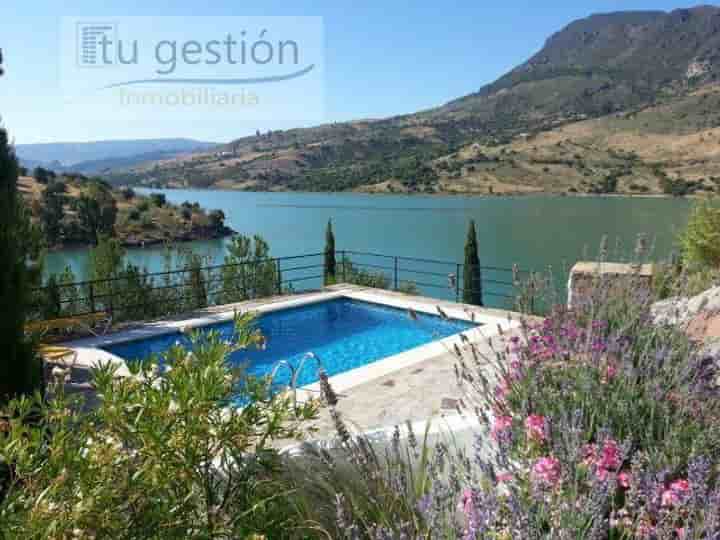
[330,264]
[472,279]
[53,302]
[20,370]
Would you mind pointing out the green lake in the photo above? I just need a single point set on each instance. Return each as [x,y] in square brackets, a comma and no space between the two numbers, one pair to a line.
[532,231]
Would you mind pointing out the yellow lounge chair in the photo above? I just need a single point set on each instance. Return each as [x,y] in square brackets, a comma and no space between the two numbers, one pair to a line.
[85,322]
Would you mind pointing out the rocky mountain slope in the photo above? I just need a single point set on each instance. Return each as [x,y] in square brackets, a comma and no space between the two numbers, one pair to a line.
[619,102]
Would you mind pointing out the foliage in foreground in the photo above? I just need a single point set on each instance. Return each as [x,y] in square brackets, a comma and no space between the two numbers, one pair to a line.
[597,424]
[164,455]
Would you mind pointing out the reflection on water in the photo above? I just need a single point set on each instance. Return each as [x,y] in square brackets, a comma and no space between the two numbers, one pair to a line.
[360,207]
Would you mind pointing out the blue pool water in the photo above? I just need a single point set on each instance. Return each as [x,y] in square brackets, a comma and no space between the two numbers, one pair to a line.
[343,333]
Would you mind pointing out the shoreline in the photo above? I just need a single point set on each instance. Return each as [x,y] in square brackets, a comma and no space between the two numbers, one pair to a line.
[473,194]
[154,242]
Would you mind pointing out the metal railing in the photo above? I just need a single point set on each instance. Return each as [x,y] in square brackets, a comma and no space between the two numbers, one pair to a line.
[436,278]
[139,295]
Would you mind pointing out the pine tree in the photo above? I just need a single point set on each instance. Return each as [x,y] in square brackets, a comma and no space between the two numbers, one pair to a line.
[20,370]
[472,279]
[330,264]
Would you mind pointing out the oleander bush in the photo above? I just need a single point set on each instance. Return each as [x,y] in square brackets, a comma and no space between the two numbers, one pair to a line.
[164,455]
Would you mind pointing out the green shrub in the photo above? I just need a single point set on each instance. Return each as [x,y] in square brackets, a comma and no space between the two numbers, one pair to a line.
[166,454]
[249,271]
[347,272]
[700,240]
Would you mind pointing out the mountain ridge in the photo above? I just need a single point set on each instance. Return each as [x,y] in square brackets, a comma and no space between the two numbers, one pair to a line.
[602,66]
[94,156]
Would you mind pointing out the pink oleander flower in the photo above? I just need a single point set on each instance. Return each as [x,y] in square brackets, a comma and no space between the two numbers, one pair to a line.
[535,427]
[502,427]
[610,456]
[606,459]
[624,479]
[547,471]
[676,493]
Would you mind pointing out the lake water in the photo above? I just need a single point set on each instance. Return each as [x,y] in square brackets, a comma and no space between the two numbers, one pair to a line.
[532,232]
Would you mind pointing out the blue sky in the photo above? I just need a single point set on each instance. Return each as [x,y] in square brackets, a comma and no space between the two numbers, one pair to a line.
[381,58]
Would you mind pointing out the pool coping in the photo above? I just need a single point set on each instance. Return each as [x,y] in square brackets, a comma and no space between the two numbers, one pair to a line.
[90,354]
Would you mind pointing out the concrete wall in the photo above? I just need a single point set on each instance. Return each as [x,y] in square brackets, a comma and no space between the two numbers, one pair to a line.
[622,275]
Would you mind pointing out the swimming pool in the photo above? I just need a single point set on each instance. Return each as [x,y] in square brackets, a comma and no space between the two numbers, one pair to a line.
[343,333]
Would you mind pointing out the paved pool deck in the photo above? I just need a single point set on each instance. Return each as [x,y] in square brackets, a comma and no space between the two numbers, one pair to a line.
[426,391]
[416,386]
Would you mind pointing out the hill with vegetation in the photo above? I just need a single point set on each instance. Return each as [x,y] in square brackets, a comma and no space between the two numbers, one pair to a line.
[73,210]
[623,102]
[98,156]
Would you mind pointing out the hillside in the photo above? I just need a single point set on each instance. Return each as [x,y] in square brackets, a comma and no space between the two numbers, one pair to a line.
[73,210]
[619,102]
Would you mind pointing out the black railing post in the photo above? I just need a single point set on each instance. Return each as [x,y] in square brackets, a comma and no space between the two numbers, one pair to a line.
[279,276]
[396,273]
[342,253]
[146,300]
[532,294]
[111,296]
[457,282]
[92,298]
